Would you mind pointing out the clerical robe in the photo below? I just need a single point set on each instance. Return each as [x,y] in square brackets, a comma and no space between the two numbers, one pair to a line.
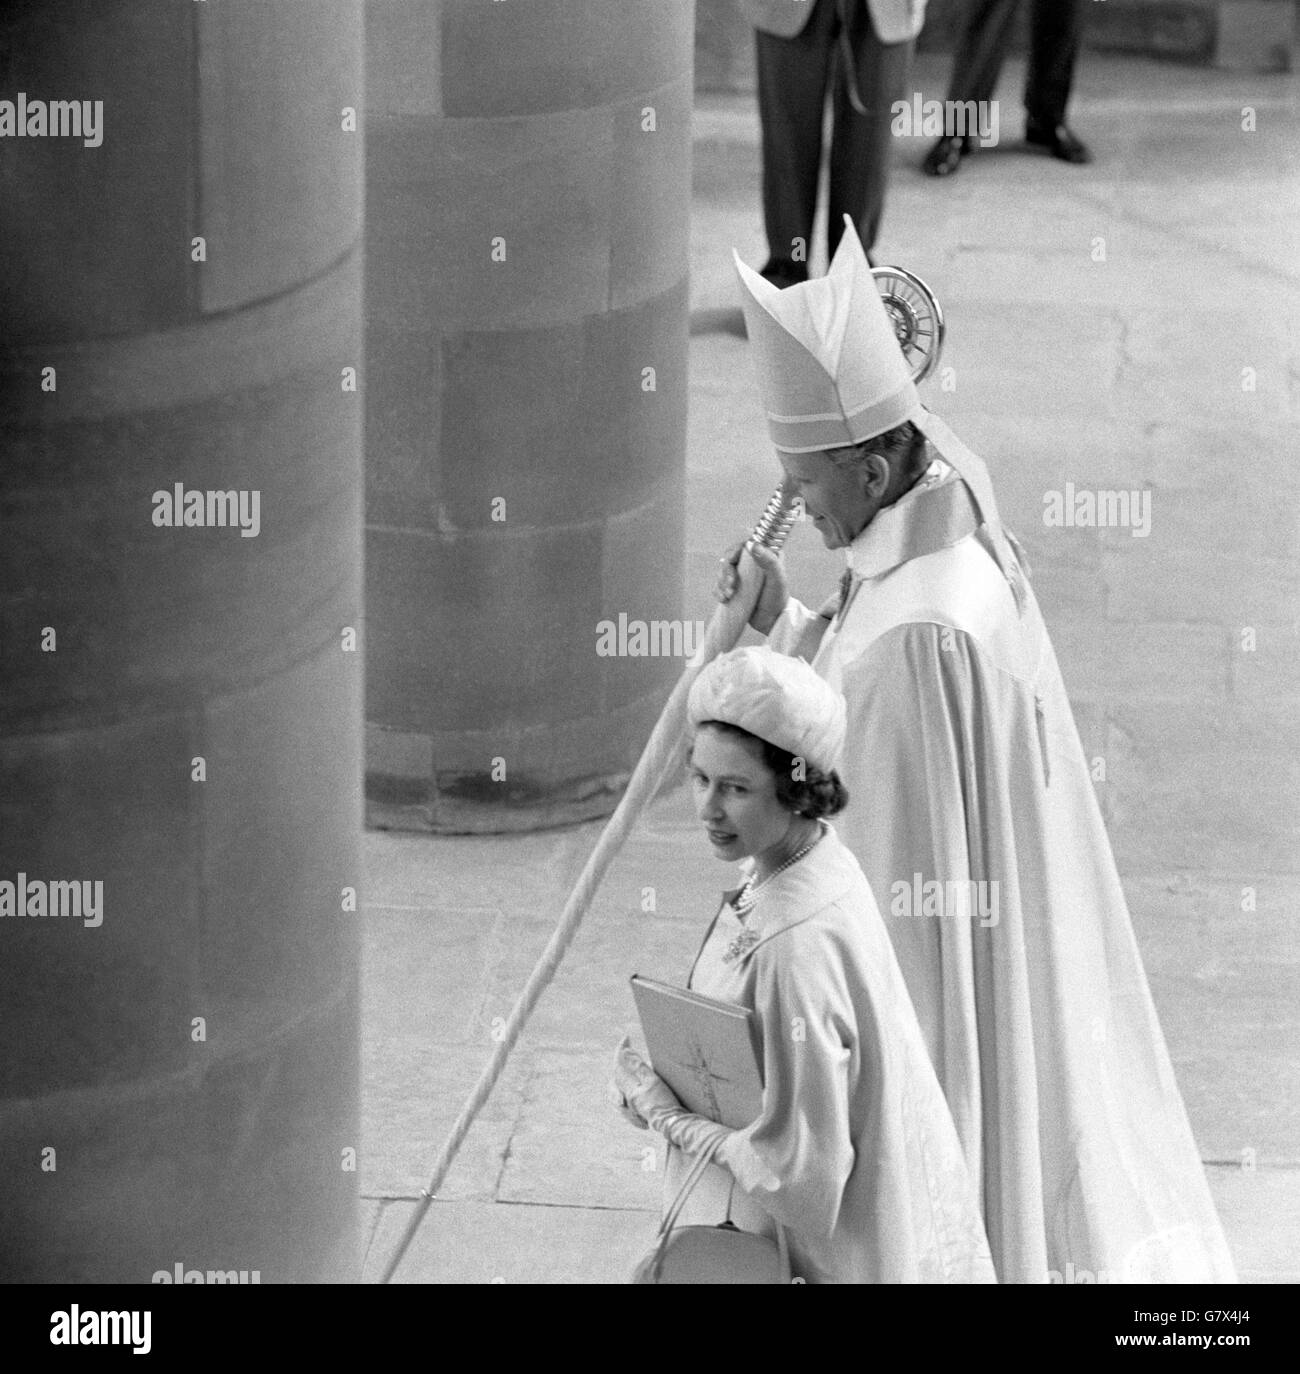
[854,1152]
[973,815]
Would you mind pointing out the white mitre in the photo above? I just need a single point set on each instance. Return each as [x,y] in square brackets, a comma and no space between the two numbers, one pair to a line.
[775,696]
[830,370]
[831,374]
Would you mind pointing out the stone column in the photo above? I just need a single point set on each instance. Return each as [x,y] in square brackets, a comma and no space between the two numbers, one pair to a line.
[724,47]
[180,713]
[528,193]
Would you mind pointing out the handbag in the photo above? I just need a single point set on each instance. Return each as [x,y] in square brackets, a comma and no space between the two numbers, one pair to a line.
[722,1253]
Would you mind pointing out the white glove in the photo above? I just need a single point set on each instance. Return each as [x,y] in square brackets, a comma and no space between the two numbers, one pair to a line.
[636,1090]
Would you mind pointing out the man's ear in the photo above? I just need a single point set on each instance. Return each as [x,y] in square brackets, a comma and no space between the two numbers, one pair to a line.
[874,474]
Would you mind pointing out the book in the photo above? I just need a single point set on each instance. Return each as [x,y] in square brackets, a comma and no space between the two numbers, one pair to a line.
[707,1051]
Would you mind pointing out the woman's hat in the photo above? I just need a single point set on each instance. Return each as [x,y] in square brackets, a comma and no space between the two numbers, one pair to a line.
[776,697]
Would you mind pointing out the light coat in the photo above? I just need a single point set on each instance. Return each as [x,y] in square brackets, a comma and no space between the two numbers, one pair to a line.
[895,21]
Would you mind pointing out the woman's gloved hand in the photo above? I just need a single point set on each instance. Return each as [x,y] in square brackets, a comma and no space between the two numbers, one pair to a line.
[640,1092]
[646,1100]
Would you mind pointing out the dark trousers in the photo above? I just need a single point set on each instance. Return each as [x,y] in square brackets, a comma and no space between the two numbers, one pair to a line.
[1055,28]
[793,76]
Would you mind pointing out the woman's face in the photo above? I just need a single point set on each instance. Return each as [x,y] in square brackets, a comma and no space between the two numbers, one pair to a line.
[735,795]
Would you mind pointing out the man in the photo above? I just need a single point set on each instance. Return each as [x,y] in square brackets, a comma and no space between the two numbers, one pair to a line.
[972,810]
[1055,29]
[865,48]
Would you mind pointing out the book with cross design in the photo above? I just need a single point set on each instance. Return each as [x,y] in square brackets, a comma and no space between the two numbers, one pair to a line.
[705,1050]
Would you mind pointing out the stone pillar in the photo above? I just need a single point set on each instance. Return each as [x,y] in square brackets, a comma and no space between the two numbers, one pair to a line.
[528,194]
[180,718]
[724,47]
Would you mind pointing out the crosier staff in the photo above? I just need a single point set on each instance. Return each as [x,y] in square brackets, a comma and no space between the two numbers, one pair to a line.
[918,325]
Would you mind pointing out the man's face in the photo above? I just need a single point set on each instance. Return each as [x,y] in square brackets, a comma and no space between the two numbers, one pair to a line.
[840,500]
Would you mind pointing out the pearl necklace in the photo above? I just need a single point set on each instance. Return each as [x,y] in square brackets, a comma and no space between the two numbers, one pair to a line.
[747,897]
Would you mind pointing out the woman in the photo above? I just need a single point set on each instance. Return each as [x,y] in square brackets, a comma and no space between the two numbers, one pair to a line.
[854,1152]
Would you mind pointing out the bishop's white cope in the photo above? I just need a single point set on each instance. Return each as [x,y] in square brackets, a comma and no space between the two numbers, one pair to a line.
[964,767]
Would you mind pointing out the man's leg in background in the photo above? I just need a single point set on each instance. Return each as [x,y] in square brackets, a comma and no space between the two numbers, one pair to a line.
[792,76]
[1057,26]
[862,145]
[976,64]
[985,37]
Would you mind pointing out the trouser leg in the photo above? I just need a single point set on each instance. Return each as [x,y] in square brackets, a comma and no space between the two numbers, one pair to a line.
[1057,26]
[977,61]
[792,76]
[862,145]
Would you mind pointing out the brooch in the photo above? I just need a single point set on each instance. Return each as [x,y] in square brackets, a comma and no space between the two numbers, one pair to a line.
[740,946]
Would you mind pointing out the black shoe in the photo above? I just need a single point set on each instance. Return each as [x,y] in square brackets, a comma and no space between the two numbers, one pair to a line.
[783,273]
[1058,141]
[945,157]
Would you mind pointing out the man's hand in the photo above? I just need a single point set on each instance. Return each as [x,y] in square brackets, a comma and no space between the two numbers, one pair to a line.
[775,592]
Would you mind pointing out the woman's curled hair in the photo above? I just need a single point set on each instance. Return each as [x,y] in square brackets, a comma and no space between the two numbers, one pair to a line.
[814,794]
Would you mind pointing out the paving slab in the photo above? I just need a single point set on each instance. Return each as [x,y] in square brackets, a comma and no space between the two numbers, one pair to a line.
[470,1242]
[1260,1211]
[412,1093]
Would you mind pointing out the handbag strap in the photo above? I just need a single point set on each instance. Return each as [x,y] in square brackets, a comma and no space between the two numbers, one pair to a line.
[693,1175]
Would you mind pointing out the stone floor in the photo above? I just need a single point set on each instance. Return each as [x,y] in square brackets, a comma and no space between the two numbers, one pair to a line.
[1099,323]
